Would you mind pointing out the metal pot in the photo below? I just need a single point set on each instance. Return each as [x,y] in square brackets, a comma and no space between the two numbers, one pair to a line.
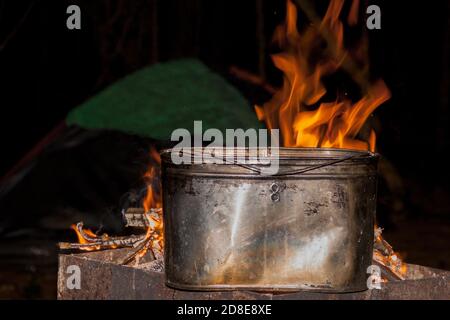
[310,227]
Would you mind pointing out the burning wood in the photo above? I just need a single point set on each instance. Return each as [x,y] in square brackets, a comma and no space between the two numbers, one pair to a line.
[89,243]
[149,217]
[134,217]
[151,240]
[153,237]
[384,255]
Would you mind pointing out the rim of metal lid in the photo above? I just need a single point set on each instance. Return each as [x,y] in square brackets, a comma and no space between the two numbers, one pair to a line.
[285,153]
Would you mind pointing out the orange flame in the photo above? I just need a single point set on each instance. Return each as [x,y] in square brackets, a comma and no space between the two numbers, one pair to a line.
[79,236]
[83,240]
[153,200]
[292,108]
[385,255]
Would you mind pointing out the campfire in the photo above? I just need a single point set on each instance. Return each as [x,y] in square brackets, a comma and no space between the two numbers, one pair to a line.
[301,109]
[148,216]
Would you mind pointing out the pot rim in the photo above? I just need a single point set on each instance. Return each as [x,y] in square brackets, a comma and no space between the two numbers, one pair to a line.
[285,153]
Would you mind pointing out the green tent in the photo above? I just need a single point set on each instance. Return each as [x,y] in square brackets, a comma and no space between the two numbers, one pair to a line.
[154,101]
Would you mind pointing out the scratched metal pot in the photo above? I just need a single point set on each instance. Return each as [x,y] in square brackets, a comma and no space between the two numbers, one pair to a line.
[310,227]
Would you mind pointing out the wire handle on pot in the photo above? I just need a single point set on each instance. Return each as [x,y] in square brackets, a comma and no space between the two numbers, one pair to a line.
[299,171]
[288,173]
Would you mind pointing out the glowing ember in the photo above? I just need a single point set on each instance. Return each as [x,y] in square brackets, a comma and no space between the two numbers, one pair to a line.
[293,109]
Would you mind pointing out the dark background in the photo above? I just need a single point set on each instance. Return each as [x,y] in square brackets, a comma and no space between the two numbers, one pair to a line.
[46,70]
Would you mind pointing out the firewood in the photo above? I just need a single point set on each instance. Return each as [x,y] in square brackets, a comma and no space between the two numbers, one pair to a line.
[385,256]
[99,243]
[148,243]
[135,217]
[386,272]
